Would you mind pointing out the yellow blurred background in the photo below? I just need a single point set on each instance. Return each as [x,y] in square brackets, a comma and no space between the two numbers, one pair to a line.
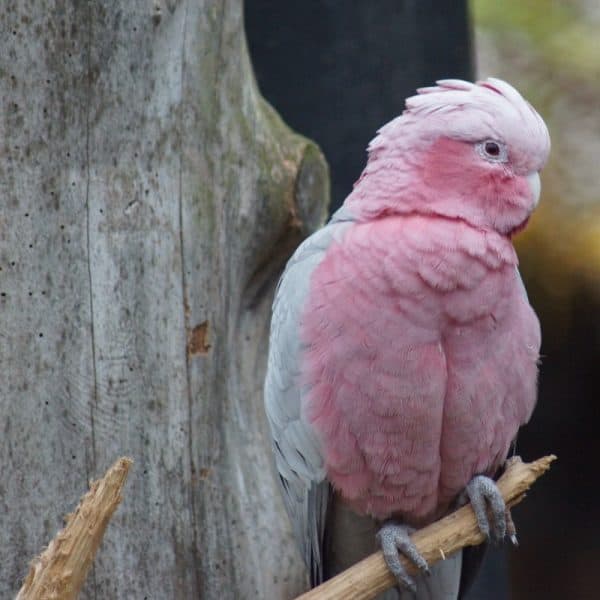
[550,51]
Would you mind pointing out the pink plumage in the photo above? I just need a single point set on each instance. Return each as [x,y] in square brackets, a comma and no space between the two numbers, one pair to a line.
[422,361]
[404,350]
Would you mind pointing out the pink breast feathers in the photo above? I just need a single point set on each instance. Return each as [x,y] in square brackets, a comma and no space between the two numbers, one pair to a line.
[419,361]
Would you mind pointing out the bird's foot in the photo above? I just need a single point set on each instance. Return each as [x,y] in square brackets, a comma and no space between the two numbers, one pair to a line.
[394,539]
[493,516]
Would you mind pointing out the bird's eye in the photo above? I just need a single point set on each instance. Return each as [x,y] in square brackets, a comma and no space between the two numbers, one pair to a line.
[492,151]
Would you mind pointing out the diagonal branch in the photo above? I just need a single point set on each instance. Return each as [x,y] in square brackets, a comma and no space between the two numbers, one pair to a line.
[59,572]
[370,577]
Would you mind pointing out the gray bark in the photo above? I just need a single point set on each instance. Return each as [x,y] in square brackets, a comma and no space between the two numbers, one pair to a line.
[149,198]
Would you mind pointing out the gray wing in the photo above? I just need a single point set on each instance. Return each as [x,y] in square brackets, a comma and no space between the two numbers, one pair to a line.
[521,284]
[297,454]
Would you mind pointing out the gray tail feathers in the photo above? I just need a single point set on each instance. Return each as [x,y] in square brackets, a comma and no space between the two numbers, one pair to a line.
[350,538]
[442,584]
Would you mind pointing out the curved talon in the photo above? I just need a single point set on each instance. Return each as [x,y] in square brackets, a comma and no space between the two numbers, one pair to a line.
[511,530]
[395,539]
[484,494]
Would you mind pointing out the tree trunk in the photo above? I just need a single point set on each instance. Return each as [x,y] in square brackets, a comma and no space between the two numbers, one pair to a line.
[150,197]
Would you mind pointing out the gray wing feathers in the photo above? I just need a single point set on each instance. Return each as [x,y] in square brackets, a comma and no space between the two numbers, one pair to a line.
[297,454]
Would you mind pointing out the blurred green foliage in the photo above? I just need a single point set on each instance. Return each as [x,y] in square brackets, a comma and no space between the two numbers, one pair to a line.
[559,30]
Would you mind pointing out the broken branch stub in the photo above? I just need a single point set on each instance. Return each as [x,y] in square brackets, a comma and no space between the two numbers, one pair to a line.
[60,571]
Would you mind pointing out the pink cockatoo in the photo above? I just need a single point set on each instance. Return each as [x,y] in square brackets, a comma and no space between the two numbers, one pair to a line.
[403,351]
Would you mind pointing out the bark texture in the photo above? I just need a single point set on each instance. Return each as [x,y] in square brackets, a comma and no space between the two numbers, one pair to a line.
[149,199]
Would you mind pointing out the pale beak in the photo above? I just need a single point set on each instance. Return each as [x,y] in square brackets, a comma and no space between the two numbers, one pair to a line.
[533,179]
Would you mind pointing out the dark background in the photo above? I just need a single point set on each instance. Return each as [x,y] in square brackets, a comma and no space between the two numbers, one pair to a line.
[336,71]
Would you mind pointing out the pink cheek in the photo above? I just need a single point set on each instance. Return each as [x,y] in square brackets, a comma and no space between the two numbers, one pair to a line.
[513,189]
[523,191]
[455,166]
[449,163]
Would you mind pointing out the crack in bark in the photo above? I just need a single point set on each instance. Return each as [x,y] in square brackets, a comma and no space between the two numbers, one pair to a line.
[89,261]
[186,316]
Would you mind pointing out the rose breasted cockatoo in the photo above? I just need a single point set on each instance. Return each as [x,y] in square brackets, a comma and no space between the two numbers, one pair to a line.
[403,351]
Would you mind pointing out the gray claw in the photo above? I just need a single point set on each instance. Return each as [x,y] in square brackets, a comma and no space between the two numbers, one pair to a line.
[511,530]
[395,539]
[484,494]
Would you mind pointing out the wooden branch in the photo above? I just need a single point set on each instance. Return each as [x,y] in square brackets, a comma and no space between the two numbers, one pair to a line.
[59,572]
[437,541]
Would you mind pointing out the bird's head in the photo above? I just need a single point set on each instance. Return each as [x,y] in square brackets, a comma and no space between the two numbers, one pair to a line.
[459,150]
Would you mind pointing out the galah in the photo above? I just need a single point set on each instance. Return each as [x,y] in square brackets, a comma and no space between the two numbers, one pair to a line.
[403,350]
